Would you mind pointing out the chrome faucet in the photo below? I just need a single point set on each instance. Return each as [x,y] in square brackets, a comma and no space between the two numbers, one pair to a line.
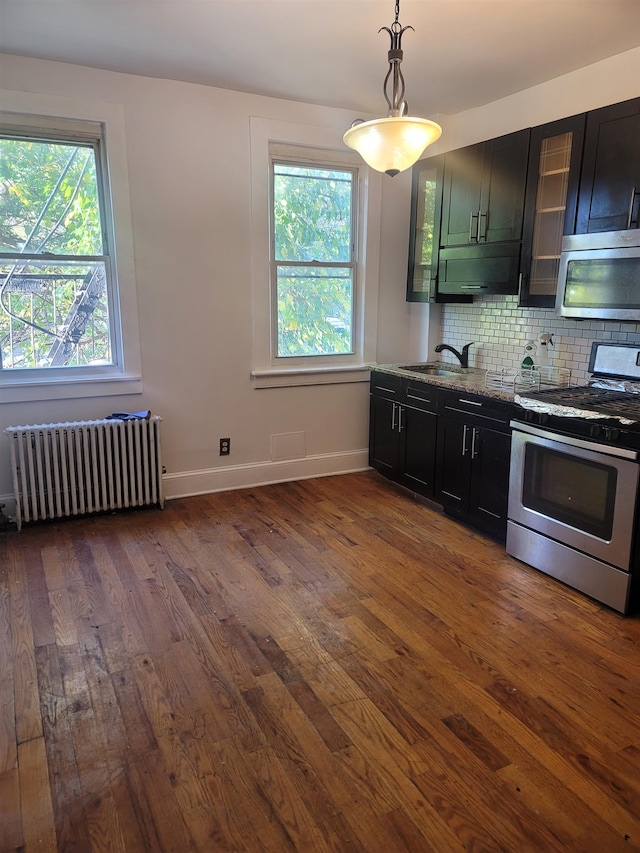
[463,357]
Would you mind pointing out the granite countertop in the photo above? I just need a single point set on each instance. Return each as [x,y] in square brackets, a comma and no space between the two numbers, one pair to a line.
[475,380]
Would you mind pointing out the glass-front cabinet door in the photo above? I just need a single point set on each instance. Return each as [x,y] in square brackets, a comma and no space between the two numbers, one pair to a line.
[424,235]
[424,238]
[550,206]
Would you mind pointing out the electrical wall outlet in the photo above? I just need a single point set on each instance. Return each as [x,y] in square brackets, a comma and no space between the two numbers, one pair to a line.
[225,446]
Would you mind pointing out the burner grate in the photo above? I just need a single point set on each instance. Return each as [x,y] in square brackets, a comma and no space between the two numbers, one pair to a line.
[608,403]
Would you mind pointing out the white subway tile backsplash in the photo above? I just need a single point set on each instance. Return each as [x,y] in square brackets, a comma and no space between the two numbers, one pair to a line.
[501,330]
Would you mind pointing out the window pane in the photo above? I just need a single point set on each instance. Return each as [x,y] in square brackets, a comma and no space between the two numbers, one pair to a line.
[53,314]
[314,310]
[48,198]
[312,214]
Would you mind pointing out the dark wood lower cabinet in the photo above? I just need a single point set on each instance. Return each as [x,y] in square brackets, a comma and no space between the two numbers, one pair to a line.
[418,450]
[384,439]
[472,461]
[453,448]
[402,431]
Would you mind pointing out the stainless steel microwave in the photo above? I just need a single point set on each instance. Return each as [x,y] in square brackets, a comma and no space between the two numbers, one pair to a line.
[599,276]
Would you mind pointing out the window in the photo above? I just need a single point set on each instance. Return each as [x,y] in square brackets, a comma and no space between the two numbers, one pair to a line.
[55,271]
[313,259]
[315,241]
[68,316]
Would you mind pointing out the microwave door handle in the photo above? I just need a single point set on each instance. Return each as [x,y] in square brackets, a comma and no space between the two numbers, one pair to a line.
[631,221]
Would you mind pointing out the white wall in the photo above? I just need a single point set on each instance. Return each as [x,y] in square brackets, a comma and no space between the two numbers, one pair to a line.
[607,82]
[188,151]
[188,159]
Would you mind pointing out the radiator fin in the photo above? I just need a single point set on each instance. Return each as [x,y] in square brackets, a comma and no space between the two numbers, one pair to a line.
[85,467]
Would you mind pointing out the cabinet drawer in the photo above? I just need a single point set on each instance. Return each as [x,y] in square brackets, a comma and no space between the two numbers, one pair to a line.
[420,395]
[486,410]
[480,269]
[385,385]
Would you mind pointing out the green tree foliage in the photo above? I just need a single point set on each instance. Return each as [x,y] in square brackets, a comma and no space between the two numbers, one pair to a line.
[428,220]
[313,247]
[60,176]
[48,206]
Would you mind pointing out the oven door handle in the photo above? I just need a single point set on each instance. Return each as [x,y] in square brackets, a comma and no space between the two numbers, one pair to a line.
[594,446]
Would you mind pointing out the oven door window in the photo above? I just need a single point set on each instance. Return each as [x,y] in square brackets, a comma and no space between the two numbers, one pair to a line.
[571,490]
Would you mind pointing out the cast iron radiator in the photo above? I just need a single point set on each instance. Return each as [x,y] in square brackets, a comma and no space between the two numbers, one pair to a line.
[84,467]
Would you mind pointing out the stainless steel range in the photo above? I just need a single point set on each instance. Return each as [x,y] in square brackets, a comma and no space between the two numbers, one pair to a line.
[575,471]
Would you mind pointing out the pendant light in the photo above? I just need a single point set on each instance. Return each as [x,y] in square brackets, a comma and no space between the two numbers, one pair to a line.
[393,144]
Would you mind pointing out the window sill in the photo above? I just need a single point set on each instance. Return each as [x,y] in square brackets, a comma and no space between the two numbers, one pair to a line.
[299,376]
[28,391]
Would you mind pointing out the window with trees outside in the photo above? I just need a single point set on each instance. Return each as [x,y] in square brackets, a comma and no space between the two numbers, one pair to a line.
[313,270]
[57,293]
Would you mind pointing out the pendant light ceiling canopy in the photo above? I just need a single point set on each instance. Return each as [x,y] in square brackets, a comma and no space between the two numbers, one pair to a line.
[393,144]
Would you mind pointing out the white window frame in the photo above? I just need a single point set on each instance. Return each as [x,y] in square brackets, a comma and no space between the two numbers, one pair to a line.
[124,375]
[272,140]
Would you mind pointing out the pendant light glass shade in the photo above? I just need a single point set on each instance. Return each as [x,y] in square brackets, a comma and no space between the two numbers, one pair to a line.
[392,144]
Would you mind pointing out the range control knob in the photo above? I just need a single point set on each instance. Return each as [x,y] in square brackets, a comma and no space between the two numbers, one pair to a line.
[595,431]
[614,434]
[543,418]
[529,416]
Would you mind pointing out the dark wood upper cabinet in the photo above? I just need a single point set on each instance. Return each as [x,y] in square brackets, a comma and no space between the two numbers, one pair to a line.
[482,214]
[484,187]
[555,157]
[462,196]
[609,195]
[490,217]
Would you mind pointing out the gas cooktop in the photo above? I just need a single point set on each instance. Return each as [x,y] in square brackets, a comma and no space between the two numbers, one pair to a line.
[590,400]
[613,392]
[607,409]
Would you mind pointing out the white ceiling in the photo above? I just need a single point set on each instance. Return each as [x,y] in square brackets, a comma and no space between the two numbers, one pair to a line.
[463,53]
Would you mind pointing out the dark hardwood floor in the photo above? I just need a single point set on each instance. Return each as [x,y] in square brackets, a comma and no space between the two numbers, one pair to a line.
[316,666]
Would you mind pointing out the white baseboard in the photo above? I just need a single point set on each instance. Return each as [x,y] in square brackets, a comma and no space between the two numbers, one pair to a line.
[189,483]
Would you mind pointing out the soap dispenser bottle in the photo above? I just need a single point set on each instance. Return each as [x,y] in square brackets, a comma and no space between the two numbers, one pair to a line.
[544,357]
[529,353]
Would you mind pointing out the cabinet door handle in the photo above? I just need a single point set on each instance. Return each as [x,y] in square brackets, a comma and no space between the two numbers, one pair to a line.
[482,232]
[465,430]
[393,416]
[473,287]
[630,218]
[469,402]
[474,449]
[400,413]
[473,232]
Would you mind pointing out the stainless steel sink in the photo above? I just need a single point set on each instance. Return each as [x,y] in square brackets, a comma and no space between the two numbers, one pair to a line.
[433,369]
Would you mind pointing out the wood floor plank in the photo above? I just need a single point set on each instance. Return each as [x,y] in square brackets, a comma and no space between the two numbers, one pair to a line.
[8,747]
[38,826]
[11,836]
[161,821]
[323,665]
[70,821]
[26,705]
